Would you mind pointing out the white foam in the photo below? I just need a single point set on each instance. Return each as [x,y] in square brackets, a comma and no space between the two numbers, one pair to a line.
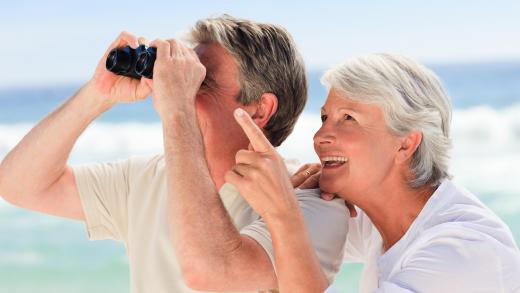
[100,142]
[485,158]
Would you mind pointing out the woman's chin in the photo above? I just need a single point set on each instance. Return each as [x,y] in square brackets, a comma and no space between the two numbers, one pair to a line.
[329,185]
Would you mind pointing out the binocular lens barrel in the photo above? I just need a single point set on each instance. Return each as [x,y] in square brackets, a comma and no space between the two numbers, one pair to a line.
[145,62]
[131,62]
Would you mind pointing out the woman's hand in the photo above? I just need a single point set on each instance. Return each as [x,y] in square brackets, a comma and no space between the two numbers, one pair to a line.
[307,176]
[261,175]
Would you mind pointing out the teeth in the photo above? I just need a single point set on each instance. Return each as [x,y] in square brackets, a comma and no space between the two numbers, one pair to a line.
[334,159]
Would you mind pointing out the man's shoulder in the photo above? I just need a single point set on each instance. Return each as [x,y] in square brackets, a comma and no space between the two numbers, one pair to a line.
[146,164]
[146,160]
[312,197]
[321,211]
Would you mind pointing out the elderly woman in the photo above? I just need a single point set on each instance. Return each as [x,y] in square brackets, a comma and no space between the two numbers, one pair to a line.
[383,145]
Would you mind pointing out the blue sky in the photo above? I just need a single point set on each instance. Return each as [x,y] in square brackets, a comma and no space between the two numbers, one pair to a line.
[59,42]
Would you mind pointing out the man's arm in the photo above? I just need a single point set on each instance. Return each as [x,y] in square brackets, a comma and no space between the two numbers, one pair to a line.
[211,252]
[35,175]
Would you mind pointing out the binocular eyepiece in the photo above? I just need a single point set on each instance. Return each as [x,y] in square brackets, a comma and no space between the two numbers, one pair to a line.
[131,62]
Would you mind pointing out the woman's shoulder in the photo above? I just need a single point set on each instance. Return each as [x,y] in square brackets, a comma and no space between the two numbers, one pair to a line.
[459,214]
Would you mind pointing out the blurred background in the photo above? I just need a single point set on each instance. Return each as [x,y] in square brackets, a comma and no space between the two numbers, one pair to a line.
[50,48]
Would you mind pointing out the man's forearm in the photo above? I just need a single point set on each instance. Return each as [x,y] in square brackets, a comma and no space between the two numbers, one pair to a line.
[202,232]
[41,157]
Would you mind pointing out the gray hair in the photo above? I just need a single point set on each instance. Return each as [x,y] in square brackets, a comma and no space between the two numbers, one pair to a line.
[268,63]
[411,98]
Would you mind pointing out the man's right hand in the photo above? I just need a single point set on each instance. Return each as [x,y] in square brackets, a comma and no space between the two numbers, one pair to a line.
[39,161]
[112,88]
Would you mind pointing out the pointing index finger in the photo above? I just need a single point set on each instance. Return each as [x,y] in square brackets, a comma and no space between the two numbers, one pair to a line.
[258,140]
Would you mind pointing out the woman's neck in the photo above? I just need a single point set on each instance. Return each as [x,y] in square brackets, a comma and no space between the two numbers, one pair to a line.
[393,208]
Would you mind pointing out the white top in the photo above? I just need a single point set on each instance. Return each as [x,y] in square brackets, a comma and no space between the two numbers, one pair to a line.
[456,244]
[126,201]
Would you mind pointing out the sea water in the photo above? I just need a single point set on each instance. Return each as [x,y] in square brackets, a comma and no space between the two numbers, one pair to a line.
[40,253]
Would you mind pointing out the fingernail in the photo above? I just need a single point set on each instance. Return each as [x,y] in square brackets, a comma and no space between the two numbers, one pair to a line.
[239,112]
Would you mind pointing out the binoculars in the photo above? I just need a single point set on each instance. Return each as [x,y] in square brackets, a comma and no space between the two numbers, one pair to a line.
[130,62]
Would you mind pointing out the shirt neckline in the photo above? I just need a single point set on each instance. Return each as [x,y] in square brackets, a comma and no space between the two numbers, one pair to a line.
[423,215]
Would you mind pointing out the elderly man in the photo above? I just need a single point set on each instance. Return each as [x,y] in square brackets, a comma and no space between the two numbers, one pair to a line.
[219,242]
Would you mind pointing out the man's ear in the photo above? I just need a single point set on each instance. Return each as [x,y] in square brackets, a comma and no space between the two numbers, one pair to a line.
[265,109]
[409,145]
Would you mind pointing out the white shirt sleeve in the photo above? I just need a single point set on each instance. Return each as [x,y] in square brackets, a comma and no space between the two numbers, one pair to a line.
[326,223]
[104,190]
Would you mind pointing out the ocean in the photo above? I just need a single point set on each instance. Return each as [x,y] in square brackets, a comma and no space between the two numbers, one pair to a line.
[40,253]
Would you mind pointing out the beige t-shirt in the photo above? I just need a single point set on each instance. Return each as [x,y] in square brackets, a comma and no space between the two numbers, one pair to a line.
[126,201]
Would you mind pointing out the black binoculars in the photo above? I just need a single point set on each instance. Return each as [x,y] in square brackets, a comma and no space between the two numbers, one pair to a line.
[131,62]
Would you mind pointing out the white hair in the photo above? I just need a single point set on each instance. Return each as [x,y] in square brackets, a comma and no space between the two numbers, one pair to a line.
[411,98]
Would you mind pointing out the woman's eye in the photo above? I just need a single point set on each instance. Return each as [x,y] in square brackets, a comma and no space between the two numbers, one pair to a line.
[348,117]
[323,118]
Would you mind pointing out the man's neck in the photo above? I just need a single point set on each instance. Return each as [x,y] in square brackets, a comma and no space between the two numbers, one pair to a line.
[218,166]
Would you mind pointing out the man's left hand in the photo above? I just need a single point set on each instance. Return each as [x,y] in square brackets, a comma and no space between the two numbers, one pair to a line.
[177,76]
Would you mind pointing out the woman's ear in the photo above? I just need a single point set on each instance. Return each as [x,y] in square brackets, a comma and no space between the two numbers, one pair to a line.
[409,145]
[265,109]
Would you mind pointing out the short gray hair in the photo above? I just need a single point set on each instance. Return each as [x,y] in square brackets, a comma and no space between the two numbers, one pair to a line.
[411,98]
[269,63]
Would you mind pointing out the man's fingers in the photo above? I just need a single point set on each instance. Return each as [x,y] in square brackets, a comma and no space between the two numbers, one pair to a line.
[163,48]
[258,140]
[142,41]
[175,48]
[124,39]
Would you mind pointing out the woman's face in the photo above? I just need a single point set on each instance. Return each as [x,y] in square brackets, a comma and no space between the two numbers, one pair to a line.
[355,147]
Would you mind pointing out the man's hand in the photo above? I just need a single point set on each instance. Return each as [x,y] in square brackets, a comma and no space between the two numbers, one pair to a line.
[261,175]
[177,76]
[112,88]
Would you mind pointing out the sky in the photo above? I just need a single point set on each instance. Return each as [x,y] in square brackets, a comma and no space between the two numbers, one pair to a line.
[60,42]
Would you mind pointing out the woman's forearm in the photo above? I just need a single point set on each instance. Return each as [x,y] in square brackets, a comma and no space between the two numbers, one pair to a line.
[297,266]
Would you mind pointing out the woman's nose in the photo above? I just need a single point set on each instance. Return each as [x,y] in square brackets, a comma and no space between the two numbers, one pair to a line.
[324,135]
